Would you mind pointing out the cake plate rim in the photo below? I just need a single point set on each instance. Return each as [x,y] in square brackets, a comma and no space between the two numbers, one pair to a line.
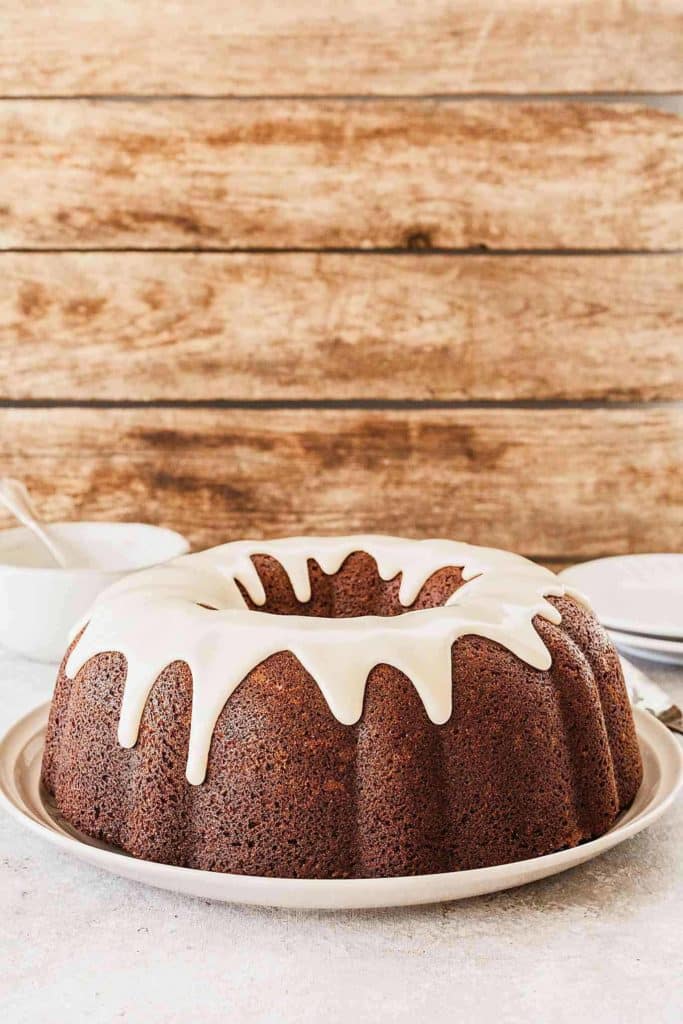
[23,797]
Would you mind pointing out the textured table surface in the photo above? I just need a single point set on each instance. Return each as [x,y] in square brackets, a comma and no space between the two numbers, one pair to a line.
[604,940]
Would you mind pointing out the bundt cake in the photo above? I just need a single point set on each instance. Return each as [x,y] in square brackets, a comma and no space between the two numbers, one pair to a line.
[341,707]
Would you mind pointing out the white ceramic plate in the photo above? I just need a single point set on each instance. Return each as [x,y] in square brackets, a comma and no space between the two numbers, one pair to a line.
[21,794]
[653,648]
[634,593]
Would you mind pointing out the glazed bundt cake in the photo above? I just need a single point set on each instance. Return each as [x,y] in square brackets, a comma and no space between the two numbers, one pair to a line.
[341,707]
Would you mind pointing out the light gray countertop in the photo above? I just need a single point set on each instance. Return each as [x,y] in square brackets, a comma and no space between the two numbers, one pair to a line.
[603,941]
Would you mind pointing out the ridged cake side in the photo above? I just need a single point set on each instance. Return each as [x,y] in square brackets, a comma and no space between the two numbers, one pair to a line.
[528,763]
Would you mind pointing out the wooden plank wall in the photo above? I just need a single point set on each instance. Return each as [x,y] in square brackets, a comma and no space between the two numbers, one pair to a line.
[416,268]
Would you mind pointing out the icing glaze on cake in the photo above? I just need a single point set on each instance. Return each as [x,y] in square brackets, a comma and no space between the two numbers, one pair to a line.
[192,610]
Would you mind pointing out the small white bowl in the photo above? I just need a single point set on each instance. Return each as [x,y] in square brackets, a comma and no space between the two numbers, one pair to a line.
[40,604]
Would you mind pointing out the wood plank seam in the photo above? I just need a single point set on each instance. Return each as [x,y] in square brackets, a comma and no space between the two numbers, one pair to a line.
[405,250]
[379,405]
[658,100]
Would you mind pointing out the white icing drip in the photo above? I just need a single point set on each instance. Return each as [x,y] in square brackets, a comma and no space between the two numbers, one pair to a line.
[155,617]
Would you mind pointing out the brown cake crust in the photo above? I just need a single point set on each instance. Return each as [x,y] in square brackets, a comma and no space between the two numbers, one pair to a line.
[528,763]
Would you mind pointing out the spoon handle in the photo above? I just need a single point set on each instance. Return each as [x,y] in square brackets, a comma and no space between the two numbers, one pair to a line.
[15,497]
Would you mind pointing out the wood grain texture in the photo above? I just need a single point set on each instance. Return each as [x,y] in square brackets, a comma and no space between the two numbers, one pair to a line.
[550,483]
[128,326]
[388,46]
[299,174]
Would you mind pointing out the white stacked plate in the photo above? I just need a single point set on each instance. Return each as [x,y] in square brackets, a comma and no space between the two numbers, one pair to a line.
[639,599]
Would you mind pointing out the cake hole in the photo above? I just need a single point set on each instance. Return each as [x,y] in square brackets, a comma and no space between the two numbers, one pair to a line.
[357,589]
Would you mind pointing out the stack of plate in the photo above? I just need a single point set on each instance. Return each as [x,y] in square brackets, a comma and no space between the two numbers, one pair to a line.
[639,599]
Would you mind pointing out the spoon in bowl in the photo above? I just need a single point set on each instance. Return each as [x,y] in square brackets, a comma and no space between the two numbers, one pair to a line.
[15,496]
